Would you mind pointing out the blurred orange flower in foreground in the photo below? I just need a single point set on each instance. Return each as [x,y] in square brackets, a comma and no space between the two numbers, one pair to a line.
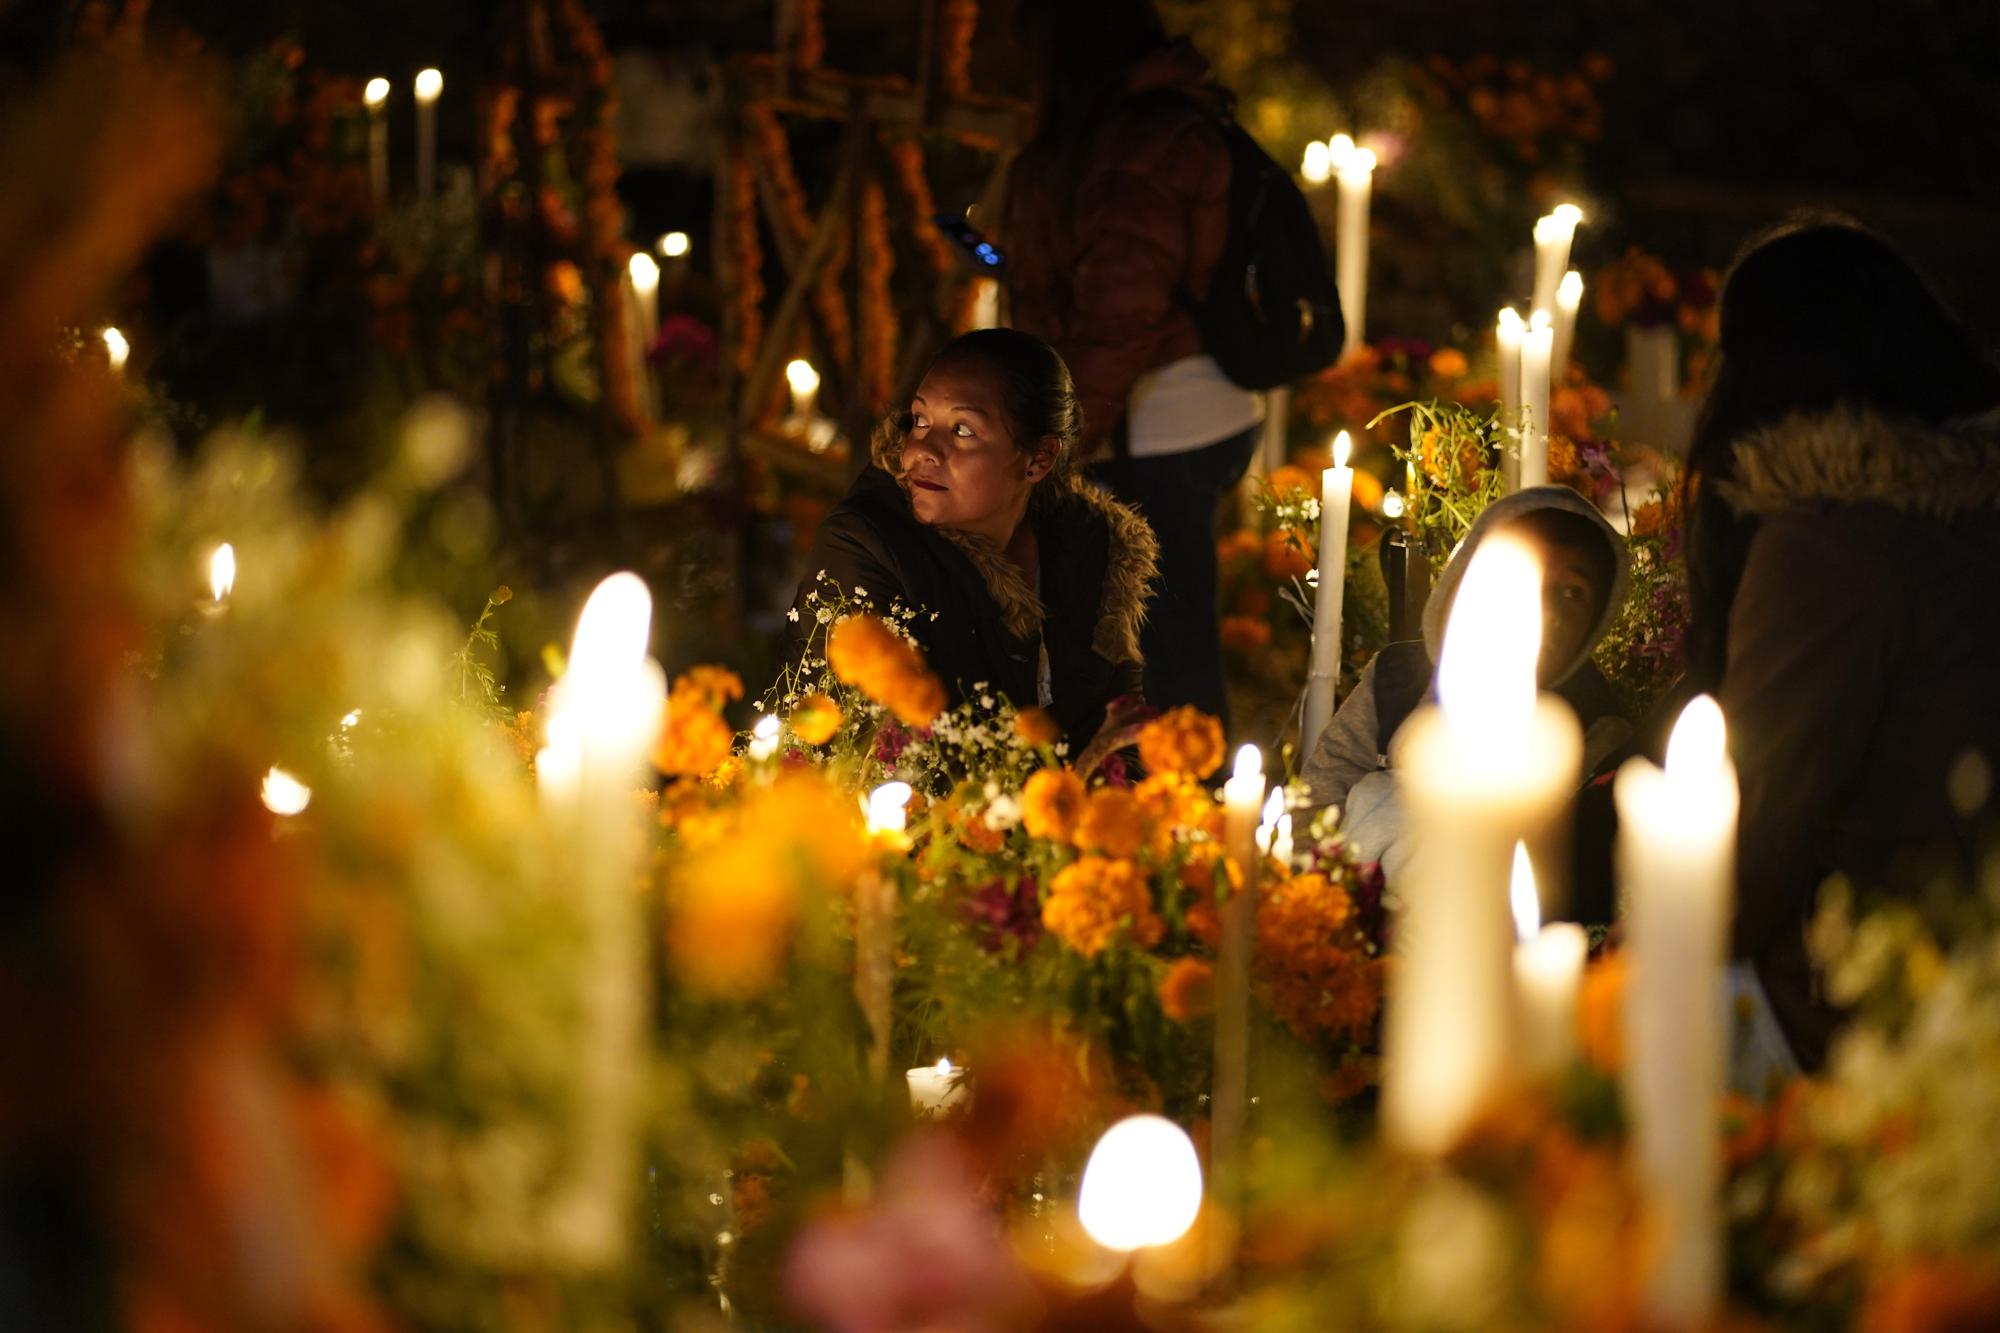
[867,654]
[1185,740]
[1187,991]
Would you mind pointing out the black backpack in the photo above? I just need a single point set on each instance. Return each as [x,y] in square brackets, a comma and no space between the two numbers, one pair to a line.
[1272,315]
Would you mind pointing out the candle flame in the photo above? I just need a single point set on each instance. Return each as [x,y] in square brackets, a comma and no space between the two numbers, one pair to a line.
[888,813]
[222,572]
[351,720]
[1343,447]
[674,244]
[117,347]
[1569,292]
[430,83]
[801,376]
[1249,765]
[1142,1186]
[766,728]
[1273,808]
[1339,150]
[1509,325]
[1392,504]
[284,794]
[1318,163]
[1361,162]
[376,93]
[1539,321]
[1697,750]
[645,273]
[1569,213]
[1523,896]
[1492,638]
[611,691]
[944,1065]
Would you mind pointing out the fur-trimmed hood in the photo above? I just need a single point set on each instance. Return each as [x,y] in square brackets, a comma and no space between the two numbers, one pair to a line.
[1852,456]
[1131,565]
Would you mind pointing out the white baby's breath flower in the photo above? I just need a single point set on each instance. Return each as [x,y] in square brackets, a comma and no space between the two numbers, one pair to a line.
[792,615]
[860,591]
[1002,813]
[825,615]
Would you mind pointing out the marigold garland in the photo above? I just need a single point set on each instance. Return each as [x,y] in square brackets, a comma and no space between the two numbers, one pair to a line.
[958,21]
[809,34]
[747,256]
[878,305]
[907,157]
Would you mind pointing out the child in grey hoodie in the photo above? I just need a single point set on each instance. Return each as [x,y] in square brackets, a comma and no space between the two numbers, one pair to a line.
[1584,566]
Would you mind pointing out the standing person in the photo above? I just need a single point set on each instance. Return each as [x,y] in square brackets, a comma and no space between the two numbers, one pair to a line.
[1844,541]
[1116,212]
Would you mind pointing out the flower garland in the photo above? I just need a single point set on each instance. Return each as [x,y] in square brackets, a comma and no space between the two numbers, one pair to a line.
[809,34]
[907,157]
[958,20]
[878,304]
[774,149]
[747,255]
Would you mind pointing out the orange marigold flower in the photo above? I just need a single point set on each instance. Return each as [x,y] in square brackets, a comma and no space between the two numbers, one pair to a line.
[1093,901]
[1312,983]
[730,915]
[1600,1013]
[1034,726]
[866,653]
[816,719]
[1052,803]
[1113,823]
[1185,740]
[1245,634]
[1187,991]
[708,686]
[1449,363]
[1933,1296]
[973,832]
[1243,544]
[1287,481]
[915,697]
[692,740]
[1287,554]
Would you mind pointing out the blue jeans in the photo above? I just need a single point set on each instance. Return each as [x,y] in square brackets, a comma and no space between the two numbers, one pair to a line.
[1180,495]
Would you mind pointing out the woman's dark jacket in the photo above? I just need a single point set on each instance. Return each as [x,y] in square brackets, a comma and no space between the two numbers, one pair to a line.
[980,621]
[1863,643]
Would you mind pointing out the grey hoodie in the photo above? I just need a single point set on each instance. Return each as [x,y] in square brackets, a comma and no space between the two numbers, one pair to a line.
[1349,765]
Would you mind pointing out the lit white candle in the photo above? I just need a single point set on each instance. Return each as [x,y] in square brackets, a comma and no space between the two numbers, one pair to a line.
[1553,235]
[284,794]
[1354,170]
[1507,335]
[886,811]
[644,273]
[1336,498]
[376,97]
[764,739]
[1142,1185]
[117,350]
[429,84]
[804,381]
[1548,973]
[937,1089]
[1317,166]
[674,245]
[1489,765]
[221,573]
[603,714]
[1536,345]
[1569,298]
[1242,815]
[1676,848]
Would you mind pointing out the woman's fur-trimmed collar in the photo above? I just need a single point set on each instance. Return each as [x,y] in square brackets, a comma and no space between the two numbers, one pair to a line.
[1131,564]
[1852,456]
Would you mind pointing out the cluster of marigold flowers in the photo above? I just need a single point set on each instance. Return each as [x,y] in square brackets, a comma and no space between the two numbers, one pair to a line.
[1105,895]
[1638,288]
[694,739]
[864,652]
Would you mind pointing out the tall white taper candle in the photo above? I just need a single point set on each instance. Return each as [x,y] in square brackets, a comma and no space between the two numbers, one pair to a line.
[1336,496]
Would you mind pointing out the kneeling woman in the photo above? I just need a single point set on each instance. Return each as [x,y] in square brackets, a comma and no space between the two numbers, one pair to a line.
[1029,580]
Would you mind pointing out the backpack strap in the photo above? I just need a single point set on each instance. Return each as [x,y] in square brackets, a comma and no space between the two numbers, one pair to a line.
[1403,675]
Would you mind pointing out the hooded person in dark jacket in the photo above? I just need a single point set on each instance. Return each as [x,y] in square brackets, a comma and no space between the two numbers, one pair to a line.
[1843,546]
[1028,581]
[1116,213]
[1584,574]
